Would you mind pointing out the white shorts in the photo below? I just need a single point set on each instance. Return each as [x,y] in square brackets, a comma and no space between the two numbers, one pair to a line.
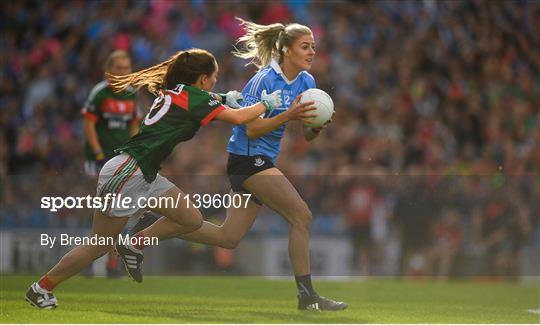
[122,176]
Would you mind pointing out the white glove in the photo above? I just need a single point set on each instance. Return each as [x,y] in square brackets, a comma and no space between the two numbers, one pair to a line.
[233,99]
[272,100]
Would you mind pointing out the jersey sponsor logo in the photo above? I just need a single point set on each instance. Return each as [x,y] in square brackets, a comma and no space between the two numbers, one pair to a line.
[258,162]
[250,100]
[118,107]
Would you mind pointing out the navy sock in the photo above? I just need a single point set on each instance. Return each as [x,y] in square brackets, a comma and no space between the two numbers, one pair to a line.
[303,283]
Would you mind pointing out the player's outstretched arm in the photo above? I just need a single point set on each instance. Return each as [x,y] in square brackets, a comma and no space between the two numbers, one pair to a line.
[297,111]
[241,116]
[250,113]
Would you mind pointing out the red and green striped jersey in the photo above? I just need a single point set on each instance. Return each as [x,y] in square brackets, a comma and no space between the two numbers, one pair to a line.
[175,116]
[114,113]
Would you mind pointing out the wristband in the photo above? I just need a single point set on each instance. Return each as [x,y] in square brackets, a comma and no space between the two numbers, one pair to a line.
[100,156]
[267,106]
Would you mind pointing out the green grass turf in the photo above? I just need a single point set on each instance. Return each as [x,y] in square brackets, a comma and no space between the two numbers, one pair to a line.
[260,300]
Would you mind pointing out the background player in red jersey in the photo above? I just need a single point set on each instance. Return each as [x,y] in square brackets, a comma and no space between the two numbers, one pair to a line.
[110,119]
[184,105]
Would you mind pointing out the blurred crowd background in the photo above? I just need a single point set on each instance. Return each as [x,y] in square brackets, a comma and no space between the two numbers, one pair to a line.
[435,146]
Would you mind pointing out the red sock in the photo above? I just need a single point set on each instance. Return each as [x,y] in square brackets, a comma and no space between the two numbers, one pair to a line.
[138,241]
[46,283]
[112,261]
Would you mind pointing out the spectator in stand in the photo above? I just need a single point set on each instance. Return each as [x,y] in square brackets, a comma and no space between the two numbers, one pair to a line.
[360,201]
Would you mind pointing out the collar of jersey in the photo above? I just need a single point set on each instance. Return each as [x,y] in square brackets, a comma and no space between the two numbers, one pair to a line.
[275,65]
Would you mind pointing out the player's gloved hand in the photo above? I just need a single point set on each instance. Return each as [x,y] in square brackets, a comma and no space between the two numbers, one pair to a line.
[272,100]
[100,160]
[233,99]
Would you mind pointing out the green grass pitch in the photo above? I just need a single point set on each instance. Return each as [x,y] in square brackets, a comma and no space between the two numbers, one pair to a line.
[259,300]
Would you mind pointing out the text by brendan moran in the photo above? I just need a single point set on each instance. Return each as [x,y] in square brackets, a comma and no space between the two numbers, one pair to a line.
[95,240]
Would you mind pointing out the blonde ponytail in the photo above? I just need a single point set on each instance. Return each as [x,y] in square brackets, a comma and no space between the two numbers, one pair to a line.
[260,43]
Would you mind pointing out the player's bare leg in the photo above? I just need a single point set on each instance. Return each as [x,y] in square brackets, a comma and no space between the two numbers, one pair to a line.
[237,223]
[187,217]
[280,196]
[273,189]
[276,192]
[75,260]
[228,235]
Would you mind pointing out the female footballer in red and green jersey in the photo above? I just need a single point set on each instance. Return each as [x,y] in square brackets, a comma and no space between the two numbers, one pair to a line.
[110,118]
[184,104]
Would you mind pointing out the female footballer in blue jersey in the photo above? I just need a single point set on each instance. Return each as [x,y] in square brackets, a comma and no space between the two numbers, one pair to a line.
[283,55]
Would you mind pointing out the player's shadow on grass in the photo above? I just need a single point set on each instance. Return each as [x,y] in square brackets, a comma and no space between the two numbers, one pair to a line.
[186,311]
[196,316]
[185,316]
[302,316]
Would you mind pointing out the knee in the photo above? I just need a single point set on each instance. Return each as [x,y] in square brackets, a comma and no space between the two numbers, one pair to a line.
[230,241]
[187,222]
[193,224]
[303,219]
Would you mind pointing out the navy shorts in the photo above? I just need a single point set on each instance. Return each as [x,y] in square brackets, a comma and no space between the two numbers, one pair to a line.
[240,168]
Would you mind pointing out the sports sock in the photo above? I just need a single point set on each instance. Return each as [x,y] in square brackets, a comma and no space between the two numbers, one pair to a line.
[139,243]
[46,283]
[303,283]
[112,261]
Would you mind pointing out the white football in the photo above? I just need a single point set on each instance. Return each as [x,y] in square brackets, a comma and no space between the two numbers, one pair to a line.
[324,106]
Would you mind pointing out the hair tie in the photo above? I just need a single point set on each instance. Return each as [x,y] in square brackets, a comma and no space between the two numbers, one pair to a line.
[280,40]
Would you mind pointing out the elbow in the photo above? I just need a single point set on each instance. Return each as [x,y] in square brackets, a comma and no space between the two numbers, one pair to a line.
[238,120]
[86,131]
[308,137]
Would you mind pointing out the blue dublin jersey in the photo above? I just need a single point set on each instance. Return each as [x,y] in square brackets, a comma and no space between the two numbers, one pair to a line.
[270,78]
